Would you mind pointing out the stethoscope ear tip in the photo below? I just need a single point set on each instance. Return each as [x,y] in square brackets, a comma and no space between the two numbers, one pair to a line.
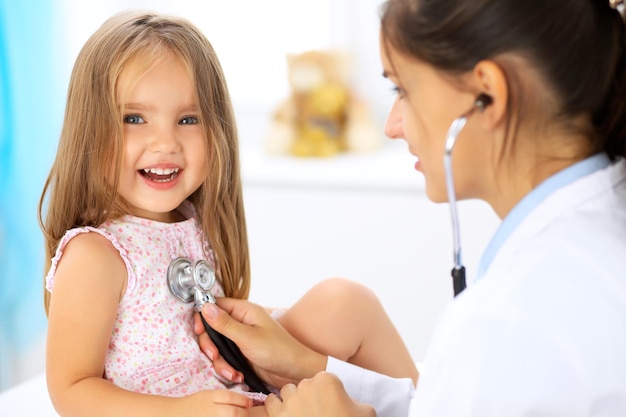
[482,101]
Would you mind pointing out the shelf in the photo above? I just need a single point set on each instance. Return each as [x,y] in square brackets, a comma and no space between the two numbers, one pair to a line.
[390,168]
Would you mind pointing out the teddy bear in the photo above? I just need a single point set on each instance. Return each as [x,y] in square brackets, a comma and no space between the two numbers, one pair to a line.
[322,115]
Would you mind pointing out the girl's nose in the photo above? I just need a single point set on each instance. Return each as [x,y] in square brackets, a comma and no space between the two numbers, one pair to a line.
[165,140]
[393,125]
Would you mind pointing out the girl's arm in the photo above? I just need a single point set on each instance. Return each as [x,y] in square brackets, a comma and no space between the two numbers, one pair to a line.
[89,283]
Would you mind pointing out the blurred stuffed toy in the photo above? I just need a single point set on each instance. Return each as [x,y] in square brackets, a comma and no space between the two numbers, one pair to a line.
[322,116]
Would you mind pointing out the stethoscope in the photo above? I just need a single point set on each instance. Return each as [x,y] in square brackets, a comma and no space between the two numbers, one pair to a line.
[458,271]
[192,282]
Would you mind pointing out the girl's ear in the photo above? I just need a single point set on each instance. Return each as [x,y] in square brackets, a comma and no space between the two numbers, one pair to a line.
[489,78]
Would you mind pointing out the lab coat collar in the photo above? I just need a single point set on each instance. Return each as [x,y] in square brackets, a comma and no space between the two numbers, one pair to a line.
[547,201]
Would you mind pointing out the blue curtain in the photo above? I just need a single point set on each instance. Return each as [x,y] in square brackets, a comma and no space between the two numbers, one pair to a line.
[31,110]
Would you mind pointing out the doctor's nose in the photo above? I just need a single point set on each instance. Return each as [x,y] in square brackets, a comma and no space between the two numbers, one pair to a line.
[393,124]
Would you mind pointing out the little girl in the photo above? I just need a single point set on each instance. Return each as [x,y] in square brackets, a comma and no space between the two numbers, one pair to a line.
[147,171]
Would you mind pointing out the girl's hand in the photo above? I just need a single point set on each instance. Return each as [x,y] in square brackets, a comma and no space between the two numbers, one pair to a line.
[276,356]
[207,346]
[215,403]
[322,395]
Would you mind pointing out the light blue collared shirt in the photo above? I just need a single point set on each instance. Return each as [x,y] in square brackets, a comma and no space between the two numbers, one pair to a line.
[533,199]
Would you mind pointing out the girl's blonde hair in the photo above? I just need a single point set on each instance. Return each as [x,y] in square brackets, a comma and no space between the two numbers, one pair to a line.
[78,191]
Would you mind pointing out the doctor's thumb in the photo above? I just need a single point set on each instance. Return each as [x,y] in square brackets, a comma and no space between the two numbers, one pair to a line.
[218,319]
[210,312]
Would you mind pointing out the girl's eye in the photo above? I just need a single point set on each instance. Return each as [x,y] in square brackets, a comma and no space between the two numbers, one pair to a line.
[189,120]
[133,119]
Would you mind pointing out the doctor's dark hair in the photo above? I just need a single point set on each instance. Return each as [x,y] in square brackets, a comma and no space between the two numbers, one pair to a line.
[576,45]
[81,189]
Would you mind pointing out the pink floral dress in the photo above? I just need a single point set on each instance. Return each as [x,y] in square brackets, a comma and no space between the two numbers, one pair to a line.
[153,348]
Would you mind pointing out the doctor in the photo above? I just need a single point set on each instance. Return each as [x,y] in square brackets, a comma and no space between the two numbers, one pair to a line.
[541,331]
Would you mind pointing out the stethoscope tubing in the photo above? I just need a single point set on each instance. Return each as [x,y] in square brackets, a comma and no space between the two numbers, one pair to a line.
[458,270]
[233,355]
[453,132]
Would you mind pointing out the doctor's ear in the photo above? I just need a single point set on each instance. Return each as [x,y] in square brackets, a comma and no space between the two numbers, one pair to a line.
[489,78]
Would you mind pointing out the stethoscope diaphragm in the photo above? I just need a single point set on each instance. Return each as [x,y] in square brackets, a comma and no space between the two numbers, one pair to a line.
[184,276]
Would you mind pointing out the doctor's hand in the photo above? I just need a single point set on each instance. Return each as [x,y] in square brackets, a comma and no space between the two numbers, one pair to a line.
[222,367]
[322,395]
[276,356]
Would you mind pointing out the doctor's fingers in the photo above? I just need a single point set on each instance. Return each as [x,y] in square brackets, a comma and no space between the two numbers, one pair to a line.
[277,407]
[205,342]
[322,395]
[250,327]
[222,368]
[244,311]
[302,401]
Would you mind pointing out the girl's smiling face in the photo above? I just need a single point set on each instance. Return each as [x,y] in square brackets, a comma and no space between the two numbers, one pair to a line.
[165,146]
[426,104]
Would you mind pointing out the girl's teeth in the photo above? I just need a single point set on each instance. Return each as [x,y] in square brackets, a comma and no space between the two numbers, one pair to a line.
[161,171]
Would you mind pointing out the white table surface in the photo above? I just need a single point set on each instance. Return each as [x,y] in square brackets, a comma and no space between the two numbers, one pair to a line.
[28,399]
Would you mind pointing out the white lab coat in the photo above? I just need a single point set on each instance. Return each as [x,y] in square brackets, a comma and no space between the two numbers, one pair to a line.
[543,333]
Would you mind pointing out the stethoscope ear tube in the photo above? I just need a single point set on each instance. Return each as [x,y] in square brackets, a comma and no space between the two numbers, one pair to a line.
[458,271]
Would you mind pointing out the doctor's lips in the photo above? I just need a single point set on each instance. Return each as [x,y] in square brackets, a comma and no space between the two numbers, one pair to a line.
[160,174]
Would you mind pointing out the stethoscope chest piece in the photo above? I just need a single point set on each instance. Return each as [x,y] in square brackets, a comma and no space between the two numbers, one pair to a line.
[189,282]
[185,278]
